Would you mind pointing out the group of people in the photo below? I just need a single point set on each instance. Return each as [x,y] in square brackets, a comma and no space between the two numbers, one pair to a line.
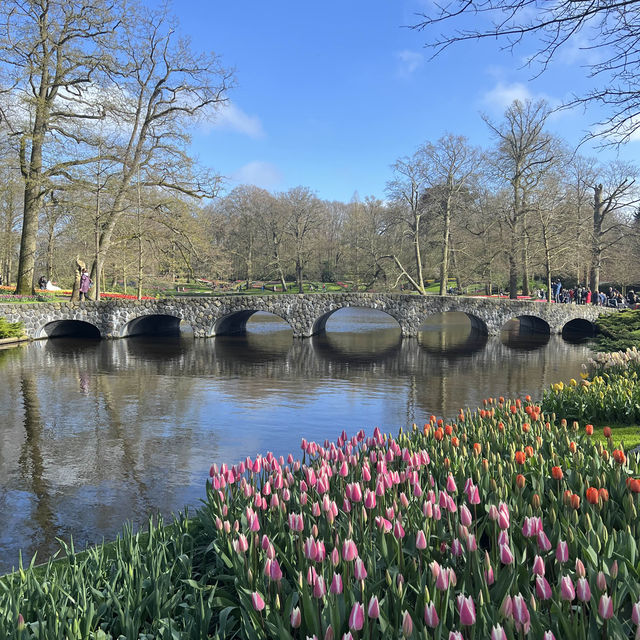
[583,295]
[83,290]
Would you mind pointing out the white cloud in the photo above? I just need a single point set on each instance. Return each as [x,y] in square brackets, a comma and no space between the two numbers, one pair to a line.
[502,95]
[259,174]
[231,118]
[410,61]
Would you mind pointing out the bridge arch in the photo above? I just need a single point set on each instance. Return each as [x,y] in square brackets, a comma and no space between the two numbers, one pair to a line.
[69,329]
[235,323]
[579,329]
[154,324]
[320,324]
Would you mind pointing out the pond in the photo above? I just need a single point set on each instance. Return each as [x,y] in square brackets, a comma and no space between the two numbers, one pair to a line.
[96,433]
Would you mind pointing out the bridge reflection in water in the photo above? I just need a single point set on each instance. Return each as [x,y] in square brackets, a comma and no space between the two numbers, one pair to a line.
[95,433]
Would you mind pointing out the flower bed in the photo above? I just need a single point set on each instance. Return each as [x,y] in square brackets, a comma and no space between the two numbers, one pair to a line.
[497,525]
[500,524]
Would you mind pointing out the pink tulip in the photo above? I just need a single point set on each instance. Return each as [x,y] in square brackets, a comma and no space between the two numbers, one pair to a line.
[359,570]
[472,544]
[474,495]
[548,635]
[538,566]
[421,540]
[319,587]
[356,617]
[451,484]
[506,608]
[296,618]
[488,576]
[466,610]
[349,551]
[605,607]
[431,615]
[442,580]
[373,610]
[328,634]
[455,635]
[543,541]
[493,512]
[242,544]
[257,601]
[310,549]
[543,588]
[506,557]
[601,581]
[336,584]
[465,515]
[398,530]
[613,571]
[582,590]
[407,624]
[562,551]
[498,633]
[369,499]
[567,592]
[456,548]
[520,611]
[275,572]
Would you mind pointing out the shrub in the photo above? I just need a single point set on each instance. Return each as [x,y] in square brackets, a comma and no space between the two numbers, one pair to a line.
[11,329]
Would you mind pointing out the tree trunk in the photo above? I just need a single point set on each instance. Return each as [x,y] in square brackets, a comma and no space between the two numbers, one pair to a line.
[444,264]
[596,247]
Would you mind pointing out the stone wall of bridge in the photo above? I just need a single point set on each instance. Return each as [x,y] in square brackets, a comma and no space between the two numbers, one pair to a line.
[306,314]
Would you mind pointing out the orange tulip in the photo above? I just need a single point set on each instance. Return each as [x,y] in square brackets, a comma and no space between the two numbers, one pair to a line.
[454,441]
[448,429]
[589,429]
[575,501]
[520,457]
[603,494]
[525,427]
[607,432]
[556,473]
[477,448]
[572,447]
[520,481]
[592,495]
[438,434]
[528,451]
[618,456]
[634,485]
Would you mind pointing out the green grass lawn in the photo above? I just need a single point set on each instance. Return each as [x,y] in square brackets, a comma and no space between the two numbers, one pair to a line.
[626,436]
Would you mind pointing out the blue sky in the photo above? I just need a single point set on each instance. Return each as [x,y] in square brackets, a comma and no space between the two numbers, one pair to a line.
[329,94]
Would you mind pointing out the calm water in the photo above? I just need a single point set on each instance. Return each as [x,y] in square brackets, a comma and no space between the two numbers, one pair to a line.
[97,433]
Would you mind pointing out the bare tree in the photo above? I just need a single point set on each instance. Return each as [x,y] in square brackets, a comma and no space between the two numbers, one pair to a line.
[161,89]
[301,212]
[610,27]
[50,51]
[612,198]
[525,152]
[406,190]
[450,165]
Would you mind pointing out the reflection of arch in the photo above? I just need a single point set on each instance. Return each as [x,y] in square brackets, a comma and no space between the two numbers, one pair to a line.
[235,323]
[440,318]
[69,329]
[153,325]
[354,348]
[527,325]
[453,333]
[578,330]
[320,324]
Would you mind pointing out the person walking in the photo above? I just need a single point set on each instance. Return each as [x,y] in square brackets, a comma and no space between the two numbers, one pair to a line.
[85,284]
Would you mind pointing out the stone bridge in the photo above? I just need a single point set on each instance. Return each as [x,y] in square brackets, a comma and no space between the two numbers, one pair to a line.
[307,314]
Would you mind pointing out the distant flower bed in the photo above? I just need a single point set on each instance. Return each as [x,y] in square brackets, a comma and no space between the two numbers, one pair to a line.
[124,296]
